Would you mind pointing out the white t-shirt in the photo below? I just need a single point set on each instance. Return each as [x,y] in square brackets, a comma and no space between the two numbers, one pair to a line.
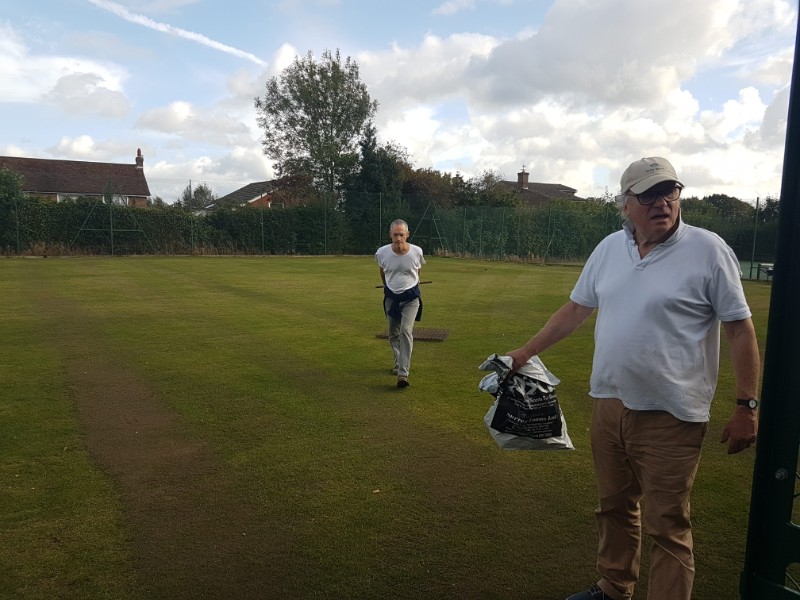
[657,334]
[401,270]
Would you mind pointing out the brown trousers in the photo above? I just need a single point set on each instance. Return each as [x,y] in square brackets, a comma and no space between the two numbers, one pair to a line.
[644,458]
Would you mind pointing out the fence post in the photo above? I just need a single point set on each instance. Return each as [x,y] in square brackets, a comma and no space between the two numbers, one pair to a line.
[549,234]
[753,253]
[16,216]
[502,249]
[111,222]
[464,233]
[480,236]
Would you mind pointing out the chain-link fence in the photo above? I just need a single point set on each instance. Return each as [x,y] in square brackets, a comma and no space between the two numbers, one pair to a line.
[560,231]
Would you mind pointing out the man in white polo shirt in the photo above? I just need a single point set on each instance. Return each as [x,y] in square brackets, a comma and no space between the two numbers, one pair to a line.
[661,288]
[400,263]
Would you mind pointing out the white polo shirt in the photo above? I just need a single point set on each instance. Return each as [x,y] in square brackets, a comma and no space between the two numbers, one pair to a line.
[401,270]
[657,335]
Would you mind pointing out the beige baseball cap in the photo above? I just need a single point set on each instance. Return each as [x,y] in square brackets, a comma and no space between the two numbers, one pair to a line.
[643,174]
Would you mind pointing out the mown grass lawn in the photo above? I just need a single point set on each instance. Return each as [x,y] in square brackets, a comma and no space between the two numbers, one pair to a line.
[273,364]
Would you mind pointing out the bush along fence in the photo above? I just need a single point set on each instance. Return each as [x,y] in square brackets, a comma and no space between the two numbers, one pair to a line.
[561,231]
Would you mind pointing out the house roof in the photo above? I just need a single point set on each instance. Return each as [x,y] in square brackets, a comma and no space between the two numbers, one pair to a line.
[247,193]
[550,190]
[47,176]
[539,193]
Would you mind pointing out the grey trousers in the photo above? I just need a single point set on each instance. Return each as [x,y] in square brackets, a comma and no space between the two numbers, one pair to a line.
[401,334]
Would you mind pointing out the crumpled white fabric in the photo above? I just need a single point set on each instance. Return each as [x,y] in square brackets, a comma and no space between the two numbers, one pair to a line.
[527,385]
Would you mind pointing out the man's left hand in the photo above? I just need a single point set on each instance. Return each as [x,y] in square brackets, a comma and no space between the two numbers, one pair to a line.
[741,430]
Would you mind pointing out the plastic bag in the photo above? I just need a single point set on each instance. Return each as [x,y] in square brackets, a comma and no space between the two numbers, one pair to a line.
[525,414]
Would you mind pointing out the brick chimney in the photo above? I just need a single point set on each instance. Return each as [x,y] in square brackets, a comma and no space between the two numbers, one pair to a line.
[522,179]
[139,159]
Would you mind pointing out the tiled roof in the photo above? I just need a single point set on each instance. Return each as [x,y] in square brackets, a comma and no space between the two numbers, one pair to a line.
[247,193]
[47,176]
[539,193]
[551,190]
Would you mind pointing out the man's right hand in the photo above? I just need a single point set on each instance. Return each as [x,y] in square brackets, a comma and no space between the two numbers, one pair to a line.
[741,430]
[518,357]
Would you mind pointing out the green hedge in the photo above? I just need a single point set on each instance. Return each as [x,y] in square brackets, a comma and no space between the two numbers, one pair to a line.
[559,231]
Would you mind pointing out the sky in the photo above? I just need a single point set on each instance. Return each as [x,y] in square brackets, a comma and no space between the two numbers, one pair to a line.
[570,90]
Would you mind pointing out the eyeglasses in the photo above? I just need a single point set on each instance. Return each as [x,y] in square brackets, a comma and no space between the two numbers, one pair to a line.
[669,194]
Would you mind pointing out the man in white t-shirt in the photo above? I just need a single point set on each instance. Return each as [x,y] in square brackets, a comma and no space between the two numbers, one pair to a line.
[400,264]
[660,288]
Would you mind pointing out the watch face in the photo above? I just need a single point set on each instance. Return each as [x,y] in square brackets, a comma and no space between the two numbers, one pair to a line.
[752,403]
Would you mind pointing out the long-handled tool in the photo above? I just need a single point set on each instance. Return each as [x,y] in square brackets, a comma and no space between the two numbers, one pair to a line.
[420,283]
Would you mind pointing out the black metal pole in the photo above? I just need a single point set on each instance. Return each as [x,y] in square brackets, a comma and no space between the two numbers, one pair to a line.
[773,541]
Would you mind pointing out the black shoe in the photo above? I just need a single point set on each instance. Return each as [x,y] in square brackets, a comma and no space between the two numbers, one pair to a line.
[402,382]
[593,593]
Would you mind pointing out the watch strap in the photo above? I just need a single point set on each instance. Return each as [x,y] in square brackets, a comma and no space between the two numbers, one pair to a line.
[750,403]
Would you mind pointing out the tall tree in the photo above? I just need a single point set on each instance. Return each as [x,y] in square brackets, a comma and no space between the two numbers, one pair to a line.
[294,190]
[377,185]
[198,198]
[422,186]
[730,207]
[313,116]
[769,209]
[381,170]
[487,189]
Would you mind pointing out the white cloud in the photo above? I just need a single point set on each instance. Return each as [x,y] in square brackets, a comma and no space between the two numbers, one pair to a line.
[453,6]
[162,6]
[87,147]
[596,86]
[430,74]
[168,119]
[574,97]
[14,150]
[774,69]
[283,58]
[84,93]
[773,127]
[603,53]
[190,123]
[227,171]
[79,148]
[737,117]
[419,130]
[759,18]
[72,83]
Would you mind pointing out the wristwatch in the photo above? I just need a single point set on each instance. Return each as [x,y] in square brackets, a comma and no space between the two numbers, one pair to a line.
[750,403]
